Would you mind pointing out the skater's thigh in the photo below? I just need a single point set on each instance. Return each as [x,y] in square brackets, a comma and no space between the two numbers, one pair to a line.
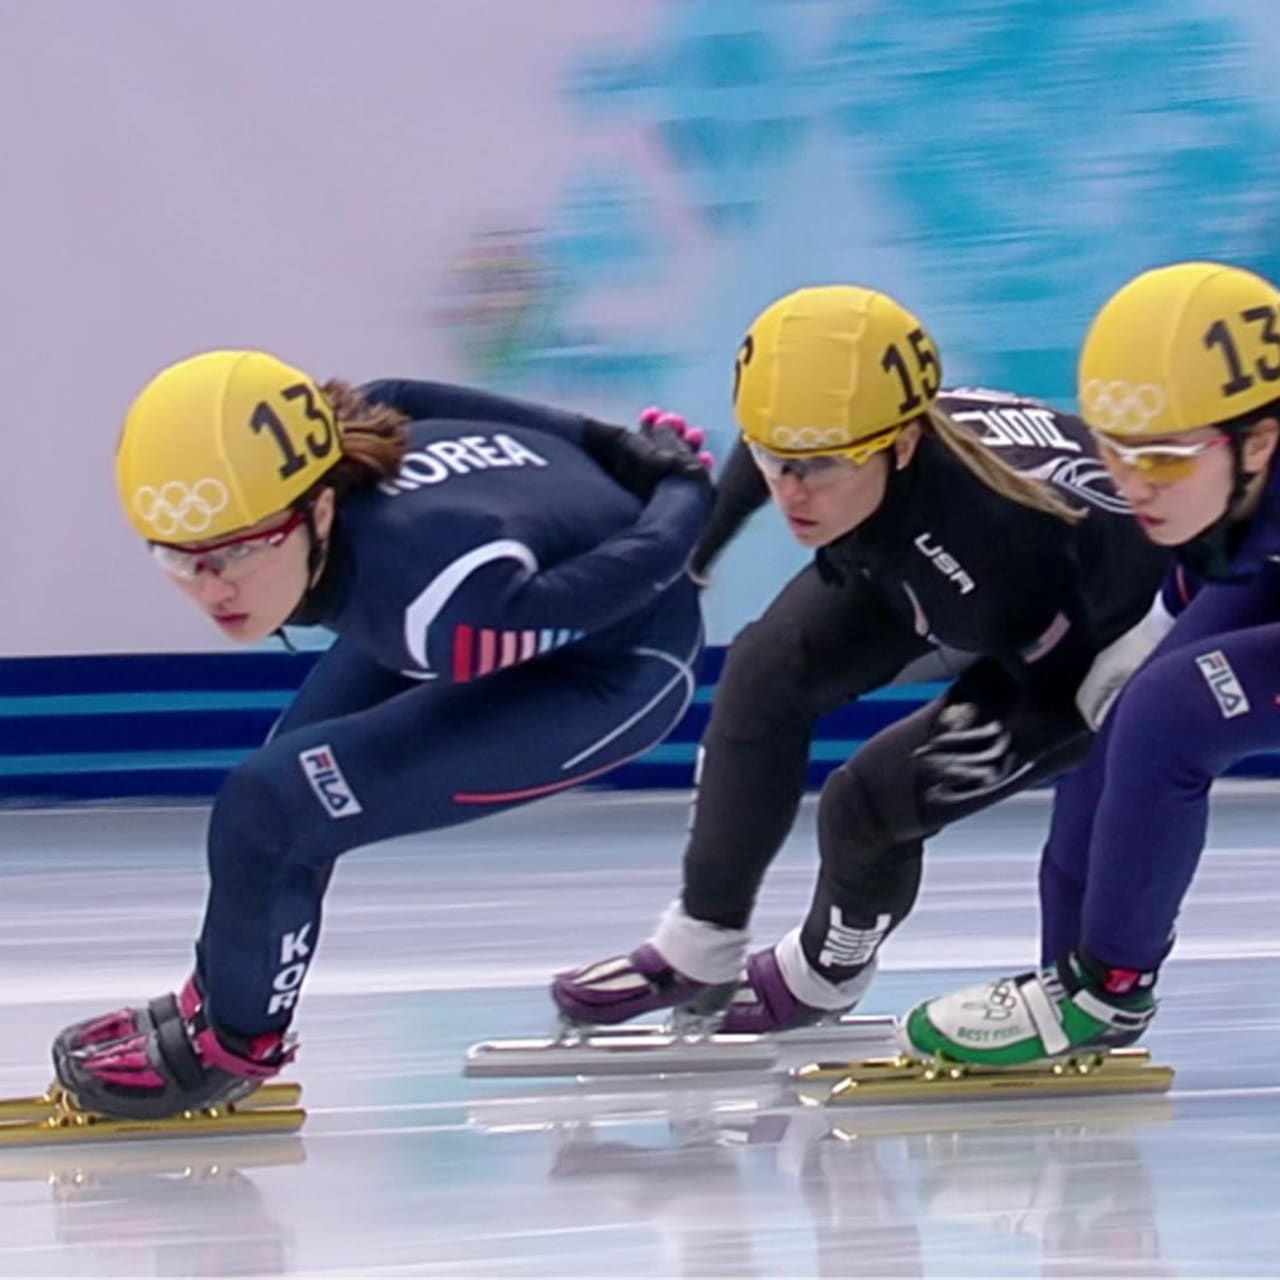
[1197,709]
[433,757]
[342,681]
[820,644]
[1156,703]
[1224,607]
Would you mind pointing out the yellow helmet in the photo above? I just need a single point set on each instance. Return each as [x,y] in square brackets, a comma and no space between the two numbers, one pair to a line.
[220,441]
[835,369]
[1179,348]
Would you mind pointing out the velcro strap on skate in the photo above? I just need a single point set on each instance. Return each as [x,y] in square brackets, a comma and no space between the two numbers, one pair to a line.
[163,1009]
[216,1054]
[179,1054]
[1042,1009]
[1122,1019]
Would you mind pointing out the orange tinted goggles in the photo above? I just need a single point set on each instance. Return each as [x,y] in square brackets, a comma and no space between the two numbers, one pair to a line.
[1164,463]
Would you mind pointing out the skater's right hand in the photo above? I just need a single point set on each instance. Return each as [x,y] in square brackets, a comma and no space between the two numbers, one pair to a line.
[966,756]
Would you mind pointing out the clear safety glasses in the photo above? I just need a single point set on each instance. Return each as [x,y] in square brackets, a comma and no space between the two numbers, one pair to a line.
[232,558]
[1163,463]
[815,468]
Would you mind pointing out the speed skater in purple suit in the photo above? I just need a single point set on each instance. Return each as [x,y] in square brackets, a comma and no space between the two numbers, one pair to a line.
[1180,383]
[507,584]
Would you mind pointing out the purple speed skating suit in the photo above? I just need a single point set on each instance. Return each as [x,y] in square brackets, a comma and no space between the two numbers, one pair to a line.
[1129,825]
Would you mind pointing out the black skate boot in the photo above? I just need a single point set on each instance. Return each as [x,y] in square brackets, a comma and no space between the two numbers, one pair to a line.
[158,1061]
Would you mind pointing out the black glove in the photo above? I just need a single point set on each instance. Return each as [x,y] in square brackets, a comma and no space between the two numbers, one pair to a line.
[638,460]
[967,756]
[991,732]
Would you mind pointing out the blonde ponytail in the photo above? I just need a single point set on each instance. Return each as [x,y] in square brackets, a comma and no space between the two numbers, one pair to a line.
[997,474]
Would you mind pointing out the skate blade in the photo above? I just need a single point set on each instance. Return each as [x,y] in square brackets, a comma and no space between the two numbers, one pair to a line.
[907,1079]
[619,1052]
[849,1035]
[53,1118]
[657,1050]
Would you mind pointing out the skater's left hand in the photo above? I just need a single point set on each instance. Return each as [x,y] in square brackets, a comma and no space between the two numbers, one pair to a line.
[670,430]
[663,445]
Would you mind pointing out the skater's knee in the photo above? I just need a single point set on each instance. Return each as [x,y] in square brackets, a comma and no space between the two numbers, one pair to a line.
[248,826]
[867,811]
[1153,694]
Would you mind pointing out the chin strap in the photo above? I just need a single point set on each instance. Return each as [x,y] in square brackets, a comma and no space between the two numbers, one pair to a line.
[317,558]
[316,549]
[1208,554]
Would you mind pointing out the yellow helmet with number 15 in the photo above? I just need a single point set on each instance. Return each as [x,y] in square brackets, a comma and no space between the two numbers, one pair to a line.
[836,369]
[216,443]
[1180,348]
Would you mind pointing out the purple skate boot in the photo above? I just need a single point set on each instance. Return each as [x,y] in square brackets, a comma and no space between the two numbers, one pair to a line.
[766,999]
[659,975]
[157,1061]
[623,987]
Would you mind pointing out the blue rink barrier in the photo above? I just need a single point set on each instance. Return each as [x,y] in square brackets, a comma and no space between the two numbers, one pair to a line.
[173,725]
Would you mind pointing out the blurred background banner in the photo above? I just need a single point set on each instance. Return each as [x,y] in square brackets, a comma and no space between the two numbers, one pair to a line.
[580,200]
[583,201]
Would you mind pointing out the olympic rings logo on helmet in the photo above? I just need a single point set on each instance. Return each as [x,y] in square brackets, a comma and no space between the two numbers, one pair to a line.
[1121,406]
[178,508]
[804,438]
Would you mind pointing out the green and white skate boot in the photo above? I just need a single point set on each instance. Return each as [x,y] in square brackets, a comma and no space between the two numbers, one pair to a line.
[1076,1006]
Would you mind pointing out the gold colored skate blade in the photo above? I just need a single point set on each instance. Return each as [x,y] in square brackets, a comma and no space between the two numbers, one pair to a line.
[280,1093]
[918,1079]
[907,1066]
[53,1117]
[284,1093]
[83,1127]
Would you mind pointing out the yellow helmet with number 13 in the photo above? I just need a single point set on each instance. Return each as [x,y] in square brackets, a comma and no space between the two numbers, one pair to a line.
[1179,348]
[218,442]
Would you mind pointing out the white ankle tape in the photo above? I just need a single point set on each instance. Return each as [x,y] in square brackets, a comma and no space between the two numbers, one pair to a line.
[700,950]
[806,984]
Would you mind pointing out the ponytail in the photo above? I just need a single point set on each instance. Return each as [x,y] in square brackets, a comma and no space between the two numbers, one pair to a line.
[995,473]
[374,439]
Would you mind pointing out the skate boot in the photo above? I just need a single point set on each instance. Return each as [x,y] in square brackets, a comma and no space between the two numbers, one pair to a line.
[624,987]
[161,1060]
[1076,1006]
[769,996]
[657,975]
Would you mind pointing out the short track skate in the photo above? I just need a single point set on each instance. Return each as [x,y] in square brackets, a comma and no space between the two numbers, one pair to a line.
[53,1117]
